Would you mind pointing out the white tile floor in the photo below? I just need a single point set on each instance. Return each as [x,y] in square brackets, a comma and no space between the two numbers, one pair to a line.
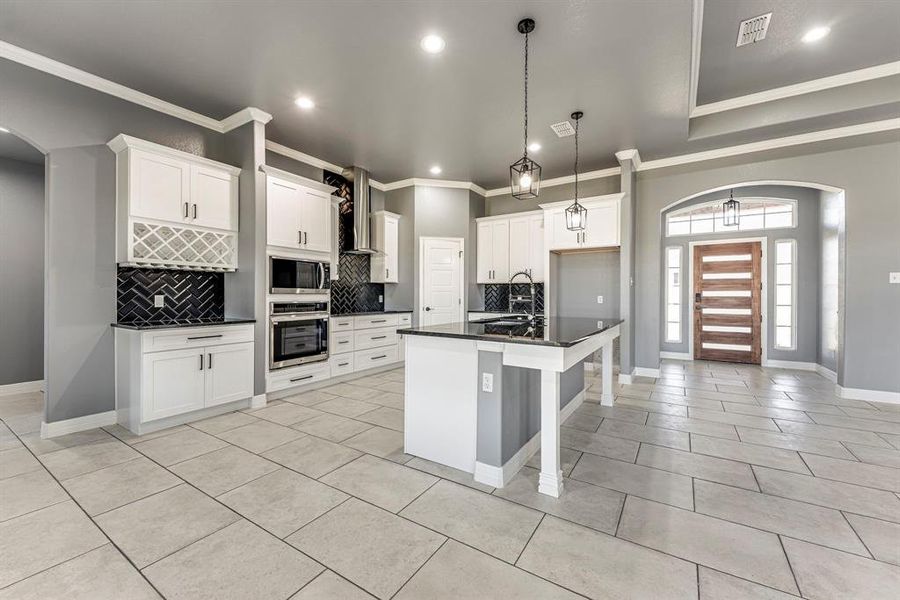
[714,481]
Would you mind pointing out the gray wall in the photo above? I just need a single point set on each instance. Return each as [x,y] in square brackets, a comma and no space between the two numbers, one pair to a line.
[510,415]
[583,277]
[400,296]
[806,235]
[506,204]
[71,124]
[477,207]
[280,161]
[866,168]
[21,271]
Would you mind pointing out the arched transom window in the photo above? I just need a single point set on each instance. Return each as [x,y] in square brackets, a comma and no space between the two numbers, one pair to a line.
[756,213]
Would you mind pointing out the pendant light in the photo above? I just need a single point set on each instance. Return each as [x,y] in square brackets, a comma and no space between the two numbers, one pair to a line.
[576,215]
[525,174]
[731,211]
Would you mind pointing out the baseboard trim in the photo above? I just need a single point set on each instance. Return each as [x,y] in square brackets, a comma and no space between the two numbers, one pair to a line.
[676,355]
[791,364]
[498,477]
[826,373]
[292,391]
[258,401]
[624,379]
[645,372]
[871,395]
[58,428]
[26,387]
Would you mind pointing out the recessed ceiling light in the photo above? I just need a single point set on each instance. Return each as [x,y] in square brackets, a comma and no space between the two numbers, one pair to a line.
[534,147]
[435,170]
[305,102]
[4,130]
[815,34]
[432,44]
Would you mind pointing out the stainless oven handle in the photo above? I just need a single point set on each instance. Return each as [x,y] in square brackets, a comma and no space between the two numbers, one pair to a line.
[299,317]
[321,276]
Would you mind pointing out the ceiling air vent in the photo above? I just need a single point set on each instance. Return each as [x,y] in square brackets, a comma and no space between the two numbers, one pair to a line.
[753,30]
[563,129]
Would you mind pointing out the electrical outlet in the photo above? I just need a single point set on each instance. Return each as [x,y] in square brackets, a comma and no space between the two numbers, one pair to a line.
[599,324]
[487,382]
[380,298]
[599,299]
[894,277]
[159,301]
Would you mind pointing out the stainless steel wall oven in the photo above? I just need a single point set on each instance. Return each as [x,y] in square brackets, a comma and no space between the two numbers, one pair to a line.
[298,333]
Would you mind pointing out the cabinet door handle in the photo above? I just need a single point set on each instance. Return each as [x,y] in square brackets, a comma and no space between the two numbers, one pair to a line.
[201,362]
[305,238]
[344,342]
[195,211]
[185,210]
[343,364]
[379,356]
[299,238]
[379,337]
[302,378]
[379,321]
[209,363]
[205,337]
[387,273]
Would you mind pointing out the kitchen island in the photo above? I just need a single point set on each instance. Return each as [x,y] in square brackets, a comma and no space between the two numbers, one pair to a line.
[484,396]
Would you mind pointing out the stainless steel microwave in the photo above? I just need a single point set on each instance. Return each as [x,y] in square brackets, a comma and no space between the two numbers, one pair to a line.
[294,276]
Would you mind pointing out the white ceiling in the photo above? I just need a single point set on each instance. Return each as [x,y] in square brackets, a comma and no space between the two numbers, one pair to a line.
[384,104]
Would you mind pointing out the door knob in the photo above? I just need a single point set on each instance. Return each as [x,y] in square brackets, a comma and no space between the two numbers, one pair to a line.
[427,308]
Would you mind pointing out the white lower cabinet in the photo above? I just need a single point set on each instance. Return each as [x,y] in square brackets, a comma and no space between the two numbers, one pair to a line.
[341,364]
[164,374]
[295,376]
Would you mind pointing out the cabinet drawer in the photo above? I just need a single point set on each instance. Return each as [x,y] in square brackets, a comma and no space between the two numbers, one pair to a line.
[288,378]
[341,342]
[404,320]
[375,357]
[372,321]
[340,323]
[341,364]
[195,337]
[374,338]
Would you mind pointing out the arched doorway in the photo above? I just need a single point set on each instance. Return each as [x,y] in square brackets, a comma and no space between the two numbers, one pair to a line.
[22,243]
[799,230]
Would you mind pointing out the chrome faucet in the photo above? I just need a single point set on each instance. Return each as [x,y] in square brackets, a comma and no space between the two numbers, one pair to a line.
[519,299]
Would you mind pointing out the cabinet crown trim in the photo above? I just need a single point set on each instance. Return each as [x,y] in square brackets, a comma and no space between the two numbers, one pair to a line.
[294,178]
[386,213]
[592,199]
[122,142]
[515,215]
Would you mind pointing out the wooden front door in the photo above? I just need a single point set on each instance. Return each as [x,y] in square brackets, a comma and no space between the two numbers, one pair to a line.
[727,289]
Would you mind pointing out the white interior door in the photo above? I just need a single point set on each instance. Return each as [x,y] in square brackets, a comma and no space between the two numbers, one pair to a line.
[441,274]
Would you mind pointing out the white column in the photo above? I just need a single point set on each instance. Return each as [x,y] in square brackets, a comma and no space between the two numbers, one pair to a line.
[606,373]
[550,481]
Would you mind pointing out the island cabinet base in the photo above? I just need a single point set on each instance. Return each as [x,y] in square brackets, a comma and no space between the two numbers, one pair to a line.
[487,406]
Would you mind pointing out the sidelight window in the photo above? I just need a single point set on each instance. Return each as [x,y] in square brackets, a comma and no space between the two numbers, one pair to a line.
[785,294]
[673,294]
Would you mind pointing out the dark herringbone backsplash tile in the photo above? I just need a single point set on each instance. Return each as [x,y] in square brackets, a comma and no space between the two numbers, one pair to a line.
[496,296]
[189,295]
[352,291]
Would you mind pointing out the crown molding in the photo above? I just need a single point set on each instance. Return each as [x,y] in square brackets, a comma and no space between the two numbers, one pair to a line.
[303,157]
[293,177]
[122,141]
[438,183]
[632,155]
[75,75]
[798,89]
[696,39]
[785,142]
[587,176]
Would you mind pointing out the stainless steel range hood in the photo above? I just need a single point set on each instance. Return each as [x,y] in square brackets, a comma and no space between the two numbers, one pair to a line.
[361,210]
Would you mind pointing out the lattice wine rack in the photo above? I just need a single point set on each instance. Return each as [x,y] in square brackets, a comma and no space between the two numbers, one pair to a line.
[173,246]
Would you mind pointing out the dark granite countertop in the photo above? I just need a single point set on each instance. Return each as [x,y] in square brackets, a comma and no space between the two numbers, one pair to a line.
[175,324]
[555,331]
[376,312]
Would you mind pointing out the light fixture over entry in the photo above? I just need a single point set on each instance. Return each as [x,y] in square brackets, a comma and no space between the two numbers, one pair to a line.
[525,174]
[576,215]
[731,211]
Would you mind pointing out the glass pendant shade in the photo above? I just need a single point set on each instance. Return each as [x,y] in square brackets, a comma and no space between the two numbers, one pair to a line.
[525,178]
[731,212]
[576,217]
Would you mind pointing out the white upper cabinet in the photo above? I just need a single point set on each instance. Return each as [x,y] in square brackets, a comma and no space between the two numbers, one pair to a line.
[493,251]
[173,208]
[299,212]
[214,198]
[507,245]
[385,266]
[526,244]
[601,230]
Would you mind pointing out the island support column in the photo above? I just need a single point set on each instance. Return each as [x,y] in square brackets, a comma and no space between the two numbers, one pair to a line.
[606,373]
[550,481]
